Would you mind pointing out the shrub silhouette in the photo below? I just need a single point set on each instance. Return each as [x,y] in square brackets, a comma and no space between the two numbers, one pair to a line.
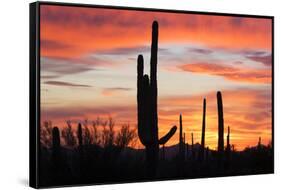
[125,136]
[68,135]
[46,134]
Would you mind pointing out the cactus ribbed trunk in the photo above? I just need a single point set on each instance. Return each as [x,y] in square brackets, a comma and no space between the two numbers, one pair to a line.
[220,124]
[202,147]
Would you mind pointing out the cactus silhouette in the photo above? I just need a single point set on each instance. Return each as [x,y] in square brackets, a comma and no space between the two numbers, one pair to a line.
[228,147]
[259,144]
[181,143]
[192,146]
[202,147]
[80,150]
[147,107]
[56,139]
[220,127]
[56,149]
[183,147]
[165,139]
[80,135]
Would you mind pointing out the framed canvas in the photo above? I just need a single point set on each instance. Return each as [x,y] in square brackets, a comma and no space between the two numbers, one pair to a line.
[120,94]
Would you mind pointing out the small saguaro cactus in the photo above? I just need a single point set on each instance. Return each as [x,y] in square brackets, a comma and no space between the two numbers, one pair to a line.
[56,147]
[220,125]
[79,135]
[228,147]
[183,147]
[147,107]
[56,138]
[192,146]
[202,147]
[181,143]
[259,144]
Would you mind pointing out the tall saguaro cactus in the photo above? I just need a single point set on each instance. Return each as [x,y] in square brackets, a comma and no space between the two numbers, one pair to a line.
[181,143]
[147,107]
[220,124]
[202,147]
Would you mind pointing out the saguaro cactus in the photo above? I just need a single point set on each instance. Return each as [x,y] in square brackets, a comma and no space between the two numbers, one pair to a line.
[202,147]
[79,135]
[181,145]
[259,144]
[220,124]
[56,138]
[228,148]
[147,107]
[192,146]
[56,147]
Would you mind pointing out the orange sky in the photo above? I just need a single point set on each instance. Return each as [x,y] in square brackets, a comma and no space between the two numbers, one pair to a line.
[88,69]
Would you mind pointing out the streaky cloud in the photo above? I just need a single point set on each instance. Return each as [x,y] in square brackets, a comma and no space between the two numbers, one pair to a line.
[60,83]
[249,75]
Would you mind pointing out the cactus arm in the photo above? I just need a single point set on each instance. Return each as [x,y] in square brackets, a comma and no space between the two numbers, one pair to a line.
[145,132]
[141,93]
[167,137]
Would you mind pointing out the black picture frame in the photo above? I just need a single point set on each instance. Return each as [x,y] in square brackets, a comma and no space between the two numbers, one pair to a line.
[34,79]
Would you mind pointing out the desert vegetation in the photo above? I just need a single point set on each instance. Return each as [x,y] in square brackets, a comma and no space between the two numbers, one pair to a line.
[94,151]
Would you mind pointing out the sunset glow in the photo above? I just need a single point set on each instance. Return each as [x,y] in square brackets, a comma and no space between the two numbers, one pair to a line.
[89,70]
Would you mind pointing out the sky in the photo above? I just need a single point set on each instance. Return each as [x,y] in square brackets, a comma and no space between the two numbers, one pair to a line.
[89,69]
